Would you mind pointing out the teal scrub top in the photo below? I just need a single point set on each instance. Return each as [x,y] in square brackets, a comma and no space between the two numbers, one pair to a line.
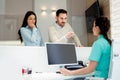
[101,52]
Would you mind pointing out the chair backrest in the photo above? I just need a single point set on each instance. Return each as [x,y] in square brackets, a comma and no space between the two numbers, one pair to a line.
[115,60]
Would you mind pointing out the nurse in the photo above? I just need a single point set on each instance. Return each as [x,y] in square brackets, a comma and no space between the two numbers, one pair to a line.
[100,54]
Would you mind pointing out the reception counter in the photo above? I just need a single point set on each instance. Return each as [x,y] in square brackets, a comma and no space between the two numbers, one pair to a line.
[14,58]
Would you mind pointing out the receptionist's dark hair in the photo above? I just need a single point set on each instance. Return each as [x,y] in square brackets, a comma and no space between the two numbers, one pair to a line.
[104,25]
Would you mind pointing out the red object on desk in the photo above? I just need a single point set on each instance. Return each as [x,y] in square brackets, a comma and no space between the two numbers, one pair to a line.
[23,71]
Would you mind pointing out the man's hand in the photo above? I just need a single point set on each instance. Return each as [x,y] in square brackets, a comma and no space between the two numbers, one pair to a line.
[69,35]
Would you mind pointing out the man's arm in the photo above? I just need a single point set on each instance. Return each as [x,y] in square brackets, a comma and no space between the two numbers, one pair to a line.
[75,38]
[77,41]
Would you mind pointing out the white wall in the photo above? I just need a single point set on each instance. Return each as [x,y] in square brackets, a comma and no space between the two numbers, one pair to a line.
[78,7]
[11,17]
[18,7]
[76,14]
[47,20]
[79,26]
[2,12]
[2,7]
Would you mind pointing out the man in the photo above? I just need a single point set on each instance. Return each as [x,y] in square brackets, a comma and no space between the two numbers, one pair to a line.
[61,31]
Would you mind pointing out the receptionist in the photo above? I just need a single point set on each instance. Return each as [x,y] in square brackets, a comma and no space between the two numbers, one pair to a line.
[100,54]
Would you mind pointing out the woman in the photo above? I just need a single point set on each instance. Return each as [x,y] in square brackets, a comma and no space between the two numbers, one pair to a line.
[100,54]
[29,33]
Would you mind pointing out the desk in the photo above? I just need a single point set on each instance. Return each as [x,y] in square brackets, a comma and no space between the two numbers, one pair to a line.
[54,76]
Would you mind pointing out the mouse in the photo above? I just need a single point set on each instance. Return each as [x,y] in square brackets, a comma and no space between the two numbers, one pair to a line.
[58,72]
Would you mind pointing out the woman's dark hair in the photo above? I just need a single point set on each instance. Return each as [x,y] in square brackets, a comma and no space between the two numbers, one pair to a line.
[25,23]
[104,25]
[60,11]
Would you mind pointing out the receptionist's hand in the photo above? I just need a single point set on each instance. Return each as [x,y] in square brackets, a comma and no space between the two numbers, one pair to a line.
[65,72]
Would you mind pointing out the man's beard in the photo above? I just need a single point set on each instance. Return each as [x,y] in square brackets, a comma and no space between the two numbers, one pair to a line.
[63,24]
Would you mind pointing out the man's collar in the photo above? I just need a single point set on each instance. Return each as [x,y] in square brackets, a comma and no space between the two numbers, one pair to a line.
[56,24]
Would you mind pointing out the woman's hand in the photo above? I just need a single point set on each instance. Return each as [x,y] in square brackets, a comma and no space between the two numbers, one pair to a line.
[65,72]
[31,26]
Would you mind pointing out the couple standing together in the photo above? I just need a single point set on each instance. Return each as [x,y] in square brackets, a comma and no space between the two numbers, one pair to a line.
[61,31]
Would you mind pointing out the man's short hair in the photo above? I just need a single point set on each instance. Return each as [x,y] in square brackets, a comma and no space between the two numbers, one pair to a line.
[60,11]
